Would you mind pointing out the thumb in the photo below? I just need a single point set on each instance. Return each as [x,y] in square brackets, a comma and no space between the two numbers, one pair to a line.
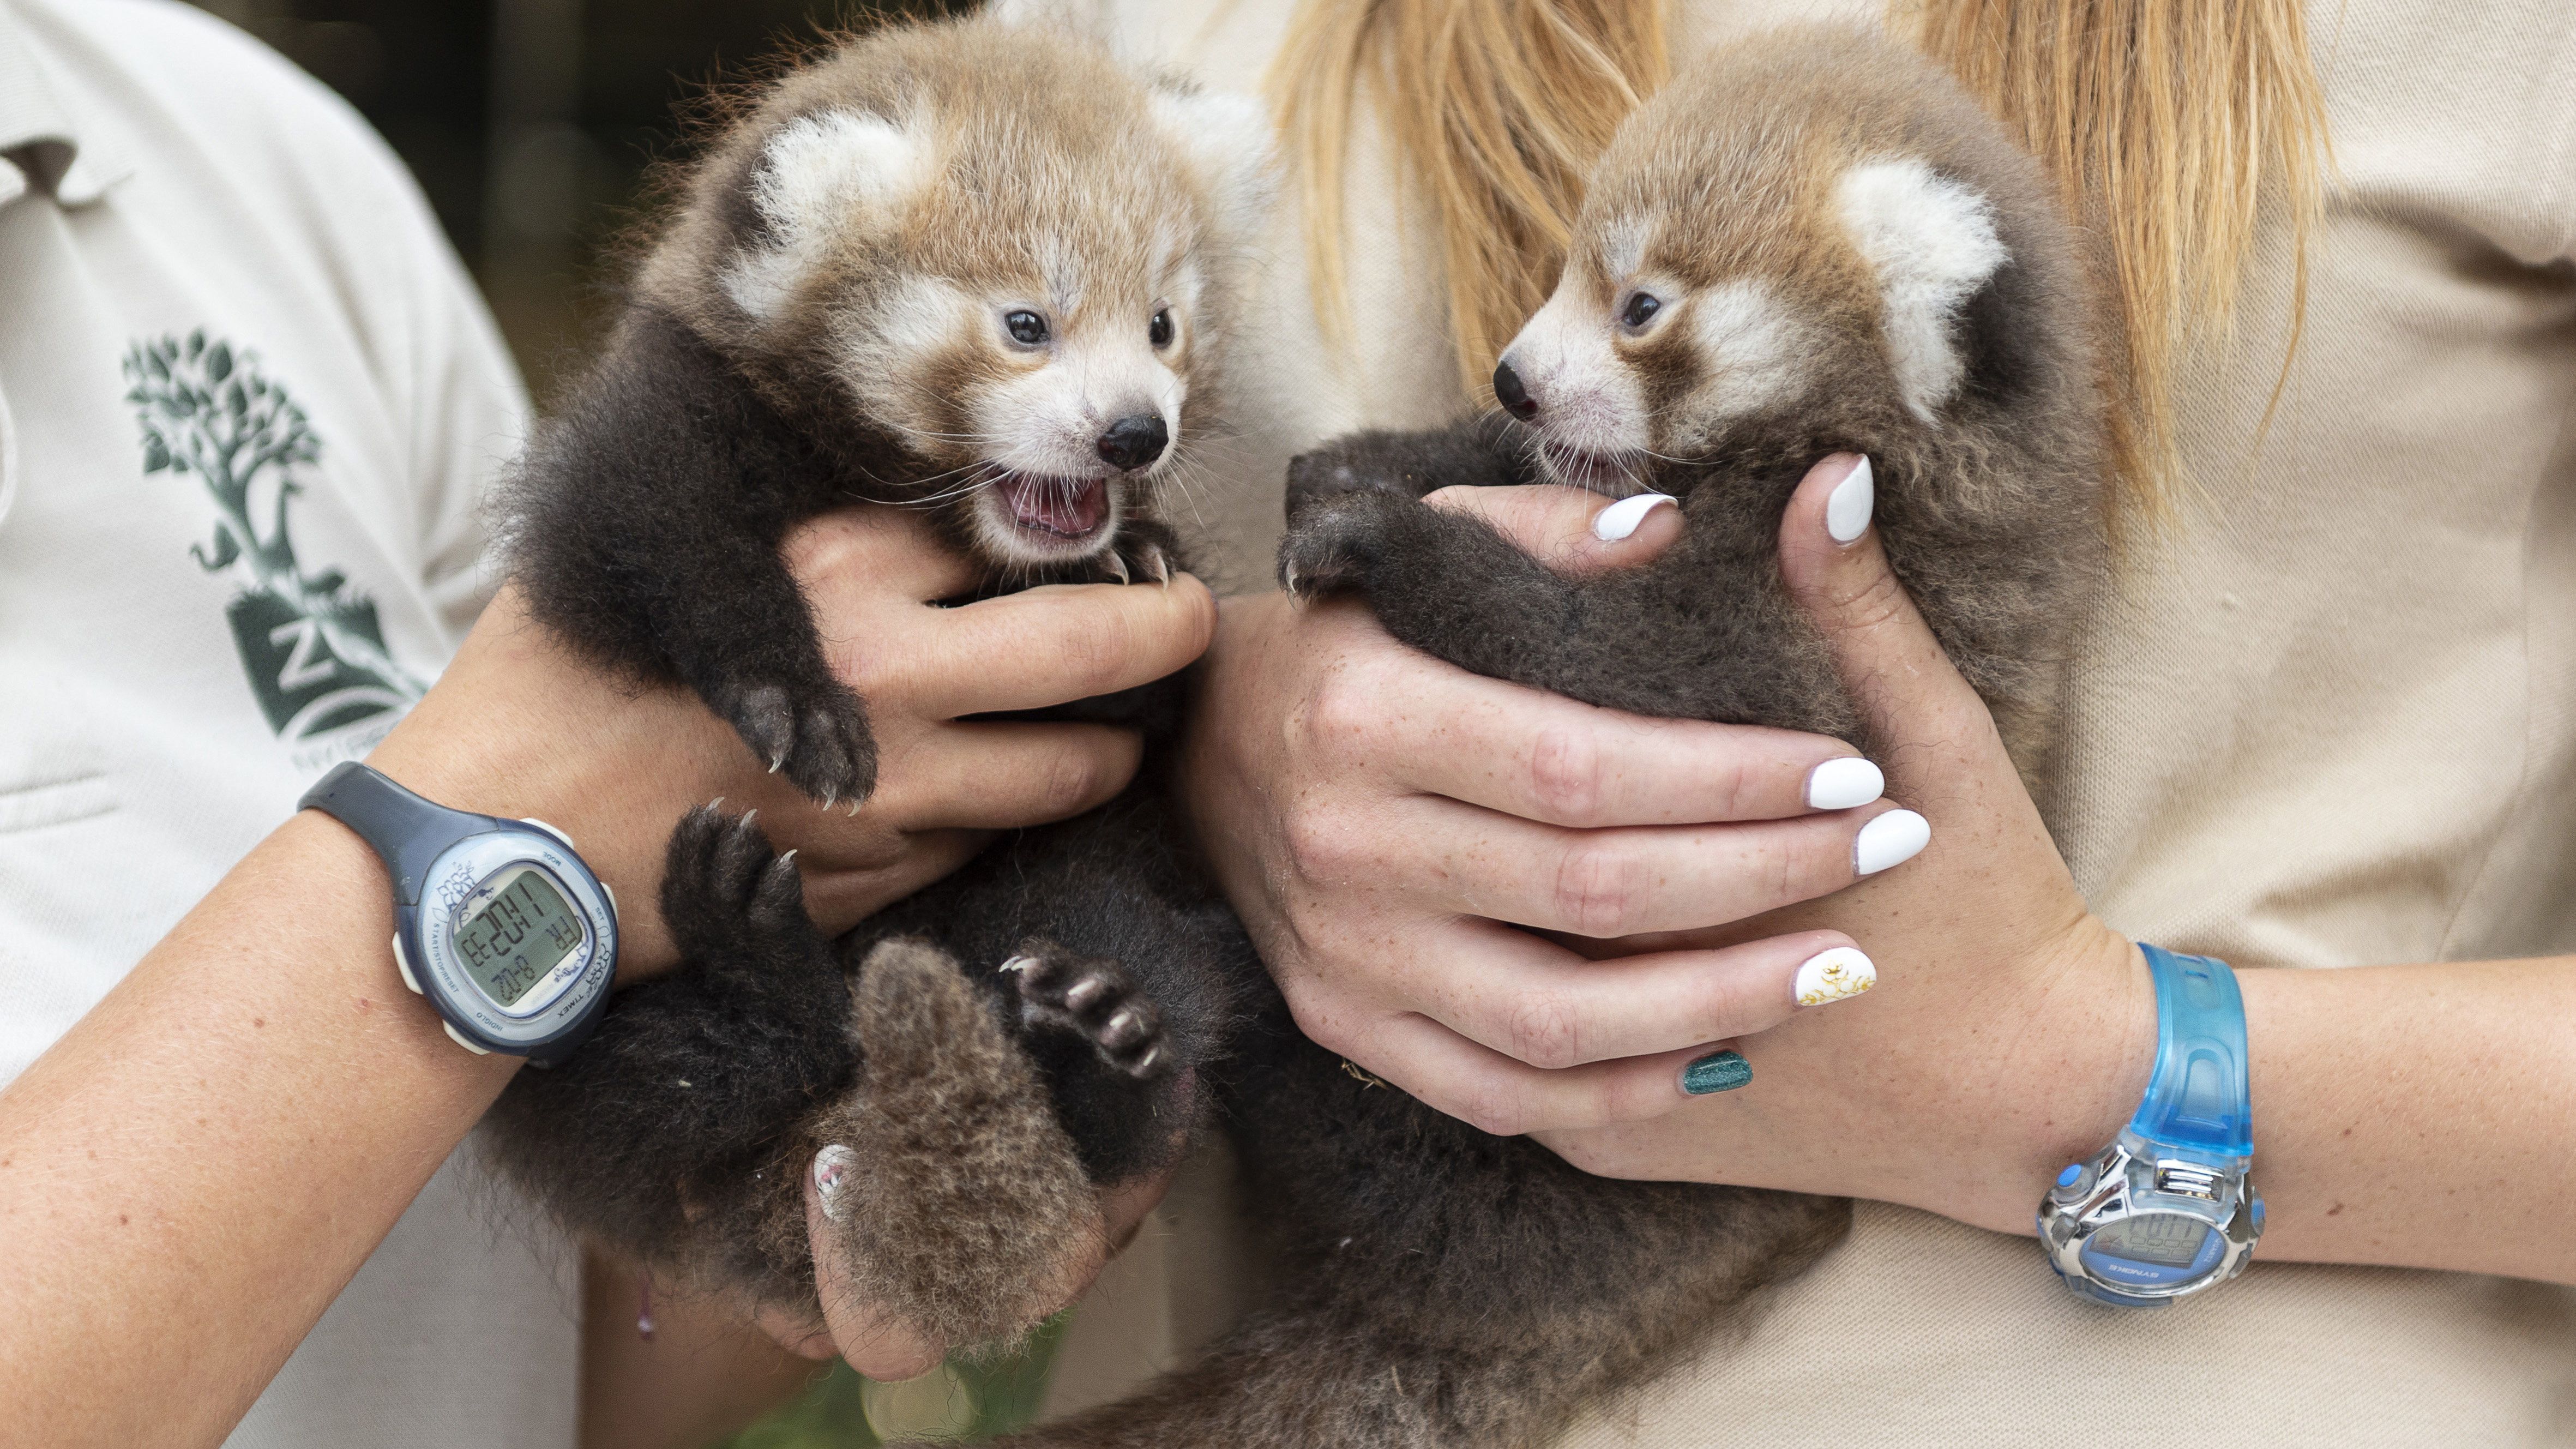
[1906,687]
[871,1340]
[1570,530]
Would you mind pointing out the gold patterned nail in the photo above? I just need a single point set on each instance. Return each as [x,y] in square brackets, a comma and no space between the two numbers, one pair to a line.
[1833,976]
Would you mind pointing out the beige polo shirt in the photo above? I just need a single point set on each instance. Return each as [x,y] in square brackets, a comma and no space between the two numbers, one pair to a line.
[248,402]
[2330,719]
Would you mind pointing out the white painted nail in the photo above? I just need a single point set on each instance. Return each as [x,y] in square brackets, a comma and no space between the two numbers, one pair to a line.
[1848,507]
[832,1168]
[1844,783]
[1890,839]
[1834,975]
[1620,519]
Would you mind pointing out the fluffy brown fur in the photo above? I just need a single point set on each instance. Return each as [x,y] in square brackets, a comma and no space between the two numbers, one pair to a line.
[1441,1288]
[1002,1208]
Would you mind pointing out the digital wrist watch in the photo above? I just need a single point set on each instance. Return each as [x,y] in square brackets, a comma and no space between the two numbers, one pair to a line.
[497,922]
[2167,1210]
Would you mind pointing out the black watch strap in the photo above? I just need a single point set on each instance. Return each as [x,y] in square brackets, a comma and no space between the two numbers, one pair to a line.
[406,831]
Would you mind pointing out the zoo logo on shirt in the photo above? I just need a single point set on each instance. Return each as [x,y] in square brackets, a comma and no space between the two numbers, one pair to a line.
[311,645]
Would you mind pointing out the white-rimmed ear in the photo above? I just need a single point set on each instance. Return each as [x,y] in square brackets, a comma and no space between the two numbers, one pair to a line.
[819,175]
[1931,241]
[1226,141]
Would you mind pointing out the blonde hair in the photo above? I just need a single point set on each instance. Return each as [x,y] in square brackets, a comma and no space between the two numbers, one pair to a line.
[2169,125]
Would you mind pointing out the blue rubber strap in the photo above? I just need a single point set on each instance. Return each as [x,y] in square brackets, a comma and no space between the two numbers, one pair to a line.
[407,832]
[2199,1104]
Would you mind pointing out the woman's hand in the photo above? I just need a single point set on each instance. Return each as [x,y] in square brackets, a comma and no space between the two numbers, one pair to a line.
[522,725]
[2011,1030]
[1388,825]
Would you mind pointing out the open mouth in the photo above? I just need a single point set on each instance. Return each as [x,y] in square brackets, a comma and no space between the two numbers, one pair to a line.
[1064,508]
[1613,474]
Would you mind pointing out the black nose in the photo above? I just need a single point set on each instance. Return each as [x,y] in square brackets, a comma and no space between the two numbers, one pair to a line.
[1509,392]
[1131,443]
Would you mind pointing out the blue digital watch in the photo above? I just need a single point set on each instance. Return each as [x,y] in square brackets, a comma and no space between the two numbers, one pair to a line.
[498,923]
[2167,1210]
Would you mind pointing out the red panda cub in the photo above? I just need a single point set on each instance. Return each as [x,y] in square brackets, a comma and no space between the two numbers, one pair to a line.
[1810,243]
[983,271]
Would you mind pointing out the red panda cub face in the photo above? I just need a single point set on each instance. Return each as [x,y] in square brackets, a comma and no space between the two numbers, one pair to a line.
[1008,260]
[1797,261]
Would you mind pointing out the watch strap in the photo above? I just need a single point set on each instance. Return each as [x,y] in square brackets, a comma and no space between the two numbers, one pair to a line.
[2199,1104]
[407,832]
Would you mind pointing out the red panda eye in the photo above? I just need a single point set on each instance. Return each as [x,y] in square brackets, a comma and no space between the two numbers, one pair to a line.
[1641,306]
[1159,331]
[1027,328]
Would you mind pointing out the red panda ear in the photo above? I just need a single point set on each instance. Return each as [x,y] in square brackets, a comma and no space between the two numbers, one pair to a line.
[819,176]
[1225,141]
[1931,242]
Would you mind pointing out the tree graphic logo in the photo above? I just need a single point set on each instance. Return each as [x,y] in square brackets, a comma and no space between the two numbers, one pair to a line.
[310,644]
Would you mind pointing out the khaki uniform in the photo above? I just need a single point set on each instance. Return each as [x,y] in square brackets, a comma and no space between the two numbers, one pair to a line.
[2329,719]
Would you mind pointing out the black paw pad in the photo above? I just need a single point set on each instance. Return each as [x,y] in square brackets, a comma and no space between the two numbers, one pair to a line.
[1093,998]
[819,741]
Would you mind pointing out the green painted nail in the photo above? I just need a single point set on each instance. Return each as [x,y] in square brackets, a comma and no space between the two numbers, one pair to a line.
[1716,1072]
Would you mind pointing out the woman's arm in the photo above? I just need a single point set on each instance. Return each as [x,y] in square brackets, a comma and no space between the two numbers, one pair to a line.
[2418,1116]
[2404,1116]
[194,1171]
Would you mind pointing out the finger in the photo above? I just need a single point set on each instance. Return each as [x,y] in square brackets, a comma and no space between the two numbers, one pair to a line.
[1005,775]
[873,1342]
[1572,530]
[1494,1093]
[1123,1211]
[1055,644]
[1430,726]
[838,899]
[1610,882]
[841,557]
[1542,1005]
[1831,558]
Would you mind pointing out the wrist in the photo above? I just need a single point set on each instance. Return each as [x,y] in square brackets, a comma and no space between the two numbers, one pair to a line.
[2113,1036]
[316,856]
[2078,1067]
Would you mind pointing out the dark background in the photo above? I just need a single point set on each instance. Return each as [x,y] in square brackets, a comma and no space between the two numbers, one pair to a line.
[529,122]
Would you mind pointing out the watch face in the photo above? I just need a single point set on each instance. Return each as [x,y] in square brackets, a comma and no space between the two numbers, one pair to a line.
[2169,1239]
[523,929]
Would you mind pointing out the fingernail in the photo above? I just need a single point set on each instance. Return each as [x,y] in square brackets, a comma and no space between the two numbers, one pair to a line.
[1717,1072]
[1844,783]
[1890,839]
[1834,975]
[832,1168]
[1848,507]
[1620,519]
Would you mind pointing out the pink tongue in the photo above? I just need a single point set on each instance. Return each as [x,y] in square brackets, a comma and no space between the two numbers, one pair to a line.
[1069,506]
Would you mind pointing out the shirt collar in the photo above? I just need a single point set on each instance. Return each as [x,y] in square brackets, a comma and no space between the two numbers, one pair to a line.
[45,144]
